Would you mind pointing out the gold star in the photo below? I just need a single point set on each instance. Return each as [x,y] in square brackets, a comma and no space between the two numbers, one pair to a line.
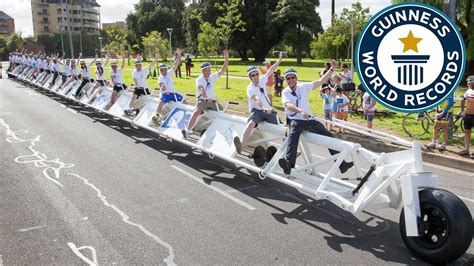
[410,42]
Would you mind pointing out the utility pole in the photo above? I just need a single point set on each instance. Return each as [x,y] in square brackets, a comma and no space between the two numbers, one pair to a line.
[450,9]
[170,31]
[352,46]
[69,30]
[333,7]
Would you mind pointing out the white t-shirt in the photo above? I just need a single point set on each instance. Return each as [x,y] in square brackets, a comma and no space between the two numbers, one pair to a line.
[51,65]
[98,76]
[56,66]
[85,73]
[208,86]
[140,76]
[367,101]
[469,94]
[299,98]
[74,71]
[260,91]
[348,77]
[168,81]
[67,70]
[117,76]
[342,99]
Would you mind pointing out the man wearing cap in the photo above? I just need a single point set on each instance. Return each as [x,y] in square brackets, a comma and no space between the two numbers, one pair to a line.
[205,85]
[270,81]
[141,86]
[468,102]
[56,63]
[85,75]
[260,106]
[168,92]
[297,109]
[116,77]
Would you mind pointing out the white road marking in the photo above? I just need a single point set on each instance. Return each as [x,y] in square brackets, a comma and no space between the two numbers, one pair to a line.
[449,169]
[466,199]
[126,219]
[51,168]
[72,110]
[31,228]
[77,251]
[223,193]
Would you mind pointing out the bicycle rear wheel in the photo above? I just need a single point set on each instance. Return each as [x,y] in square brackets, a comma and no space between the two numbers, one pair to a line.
[416,124]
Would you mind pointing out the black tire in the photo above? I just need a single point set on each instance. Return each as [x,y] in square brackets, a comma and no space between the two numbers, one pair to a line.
[415,125]
[446,224]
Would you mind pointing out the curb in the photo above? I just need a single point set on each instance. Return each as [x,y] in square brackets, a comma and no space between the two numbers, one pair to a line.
[465,164]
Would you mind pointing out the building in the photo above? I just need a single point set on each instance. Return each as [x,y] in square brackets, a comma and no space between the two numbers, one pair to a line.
[51,16]
[120,24]
[7,24]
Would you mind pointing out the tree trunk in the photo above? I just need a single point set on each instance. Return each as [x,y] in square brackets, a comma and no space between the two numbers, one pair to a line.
[298,55]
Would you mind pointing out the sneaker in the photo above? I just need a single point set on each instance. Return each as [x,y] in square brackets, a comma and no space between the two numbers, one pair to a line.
[238,145]
[156,119]
[185,133]
[432,145]
[285,165]
[345,166]
[442,147]
[464,152]
[128,112]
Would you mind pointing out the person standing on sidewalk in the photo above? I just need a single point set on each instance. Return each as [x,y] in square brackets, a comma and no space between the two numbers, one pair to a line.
[368,105]
[468,102]
[270,81]
[444,113]
[188,62]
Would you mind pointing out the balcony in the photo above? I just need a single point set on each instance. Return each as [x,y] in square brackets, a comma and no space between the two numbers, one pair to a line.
[43,13]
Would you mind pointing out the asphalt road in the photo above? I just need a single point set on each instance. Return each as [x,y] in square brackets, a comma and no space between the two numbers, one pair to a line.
[79,187]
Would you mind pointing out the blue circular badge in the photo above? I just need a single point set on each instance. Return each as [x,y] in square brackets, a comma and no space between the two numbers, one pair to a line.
[410,57]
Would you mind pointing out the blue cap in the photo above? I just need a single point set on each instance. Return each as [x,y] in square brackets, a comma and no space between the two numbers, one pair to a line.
[205,65]
[290,71]
[251,69]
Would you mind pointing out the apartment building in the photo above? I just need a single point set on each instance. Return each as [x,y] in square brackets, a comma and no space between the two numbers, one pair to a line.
[51,16]
[7,24]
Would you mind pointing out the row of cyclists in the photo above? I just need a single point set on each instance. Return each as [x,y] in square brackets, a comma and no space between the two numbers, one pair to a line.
[294,97]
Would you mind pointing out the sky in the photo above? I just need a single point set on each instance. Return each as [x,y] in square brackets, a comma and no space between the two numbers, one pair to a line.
[117,10]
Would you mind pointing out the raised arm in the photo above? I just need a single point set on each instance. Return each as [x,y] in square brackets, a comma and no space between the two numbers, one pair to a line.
[93,61]
[157,55]
[226,63]
[106,60]
[326,76]
[78,59]
[178,59]
[275,66]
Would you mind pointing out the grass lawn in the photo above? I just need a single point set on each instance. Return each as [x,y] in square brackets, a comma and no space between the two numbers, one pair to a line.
[309,70]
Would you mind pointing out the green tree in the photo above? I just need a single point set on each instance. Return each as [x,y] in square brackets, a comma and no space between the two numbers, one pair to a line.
[300,22]
[208,41]
[338,35]
[465,22]
[156,15]
[153,42]
[116,39]
[229,21]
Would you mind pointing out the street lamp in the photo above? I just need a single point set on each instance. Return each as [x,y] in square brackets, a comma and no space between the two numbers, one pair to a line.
[170,31]
[100,40]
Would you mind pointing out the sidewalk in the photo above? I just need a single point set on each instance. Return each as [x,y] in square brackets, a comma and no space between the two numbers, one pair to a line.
[448,158]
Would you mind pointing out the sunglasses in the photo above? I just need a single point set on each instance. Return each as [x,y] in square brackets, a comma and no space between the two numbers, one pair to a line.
[290,78]
[253,75]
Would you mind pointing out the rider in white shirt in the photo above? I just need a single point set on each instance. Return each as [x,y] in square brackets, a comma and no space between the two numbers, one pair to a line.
[116,78]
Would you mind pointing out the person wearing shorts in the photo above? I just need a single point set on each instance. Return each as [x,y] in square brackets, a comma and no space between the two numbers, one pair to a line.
[444,114]
[468,102]
[168,92]
[368,105]
[141,86]
[116,78]
[298,112]
[328,101]
[205,86]
[260,106]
